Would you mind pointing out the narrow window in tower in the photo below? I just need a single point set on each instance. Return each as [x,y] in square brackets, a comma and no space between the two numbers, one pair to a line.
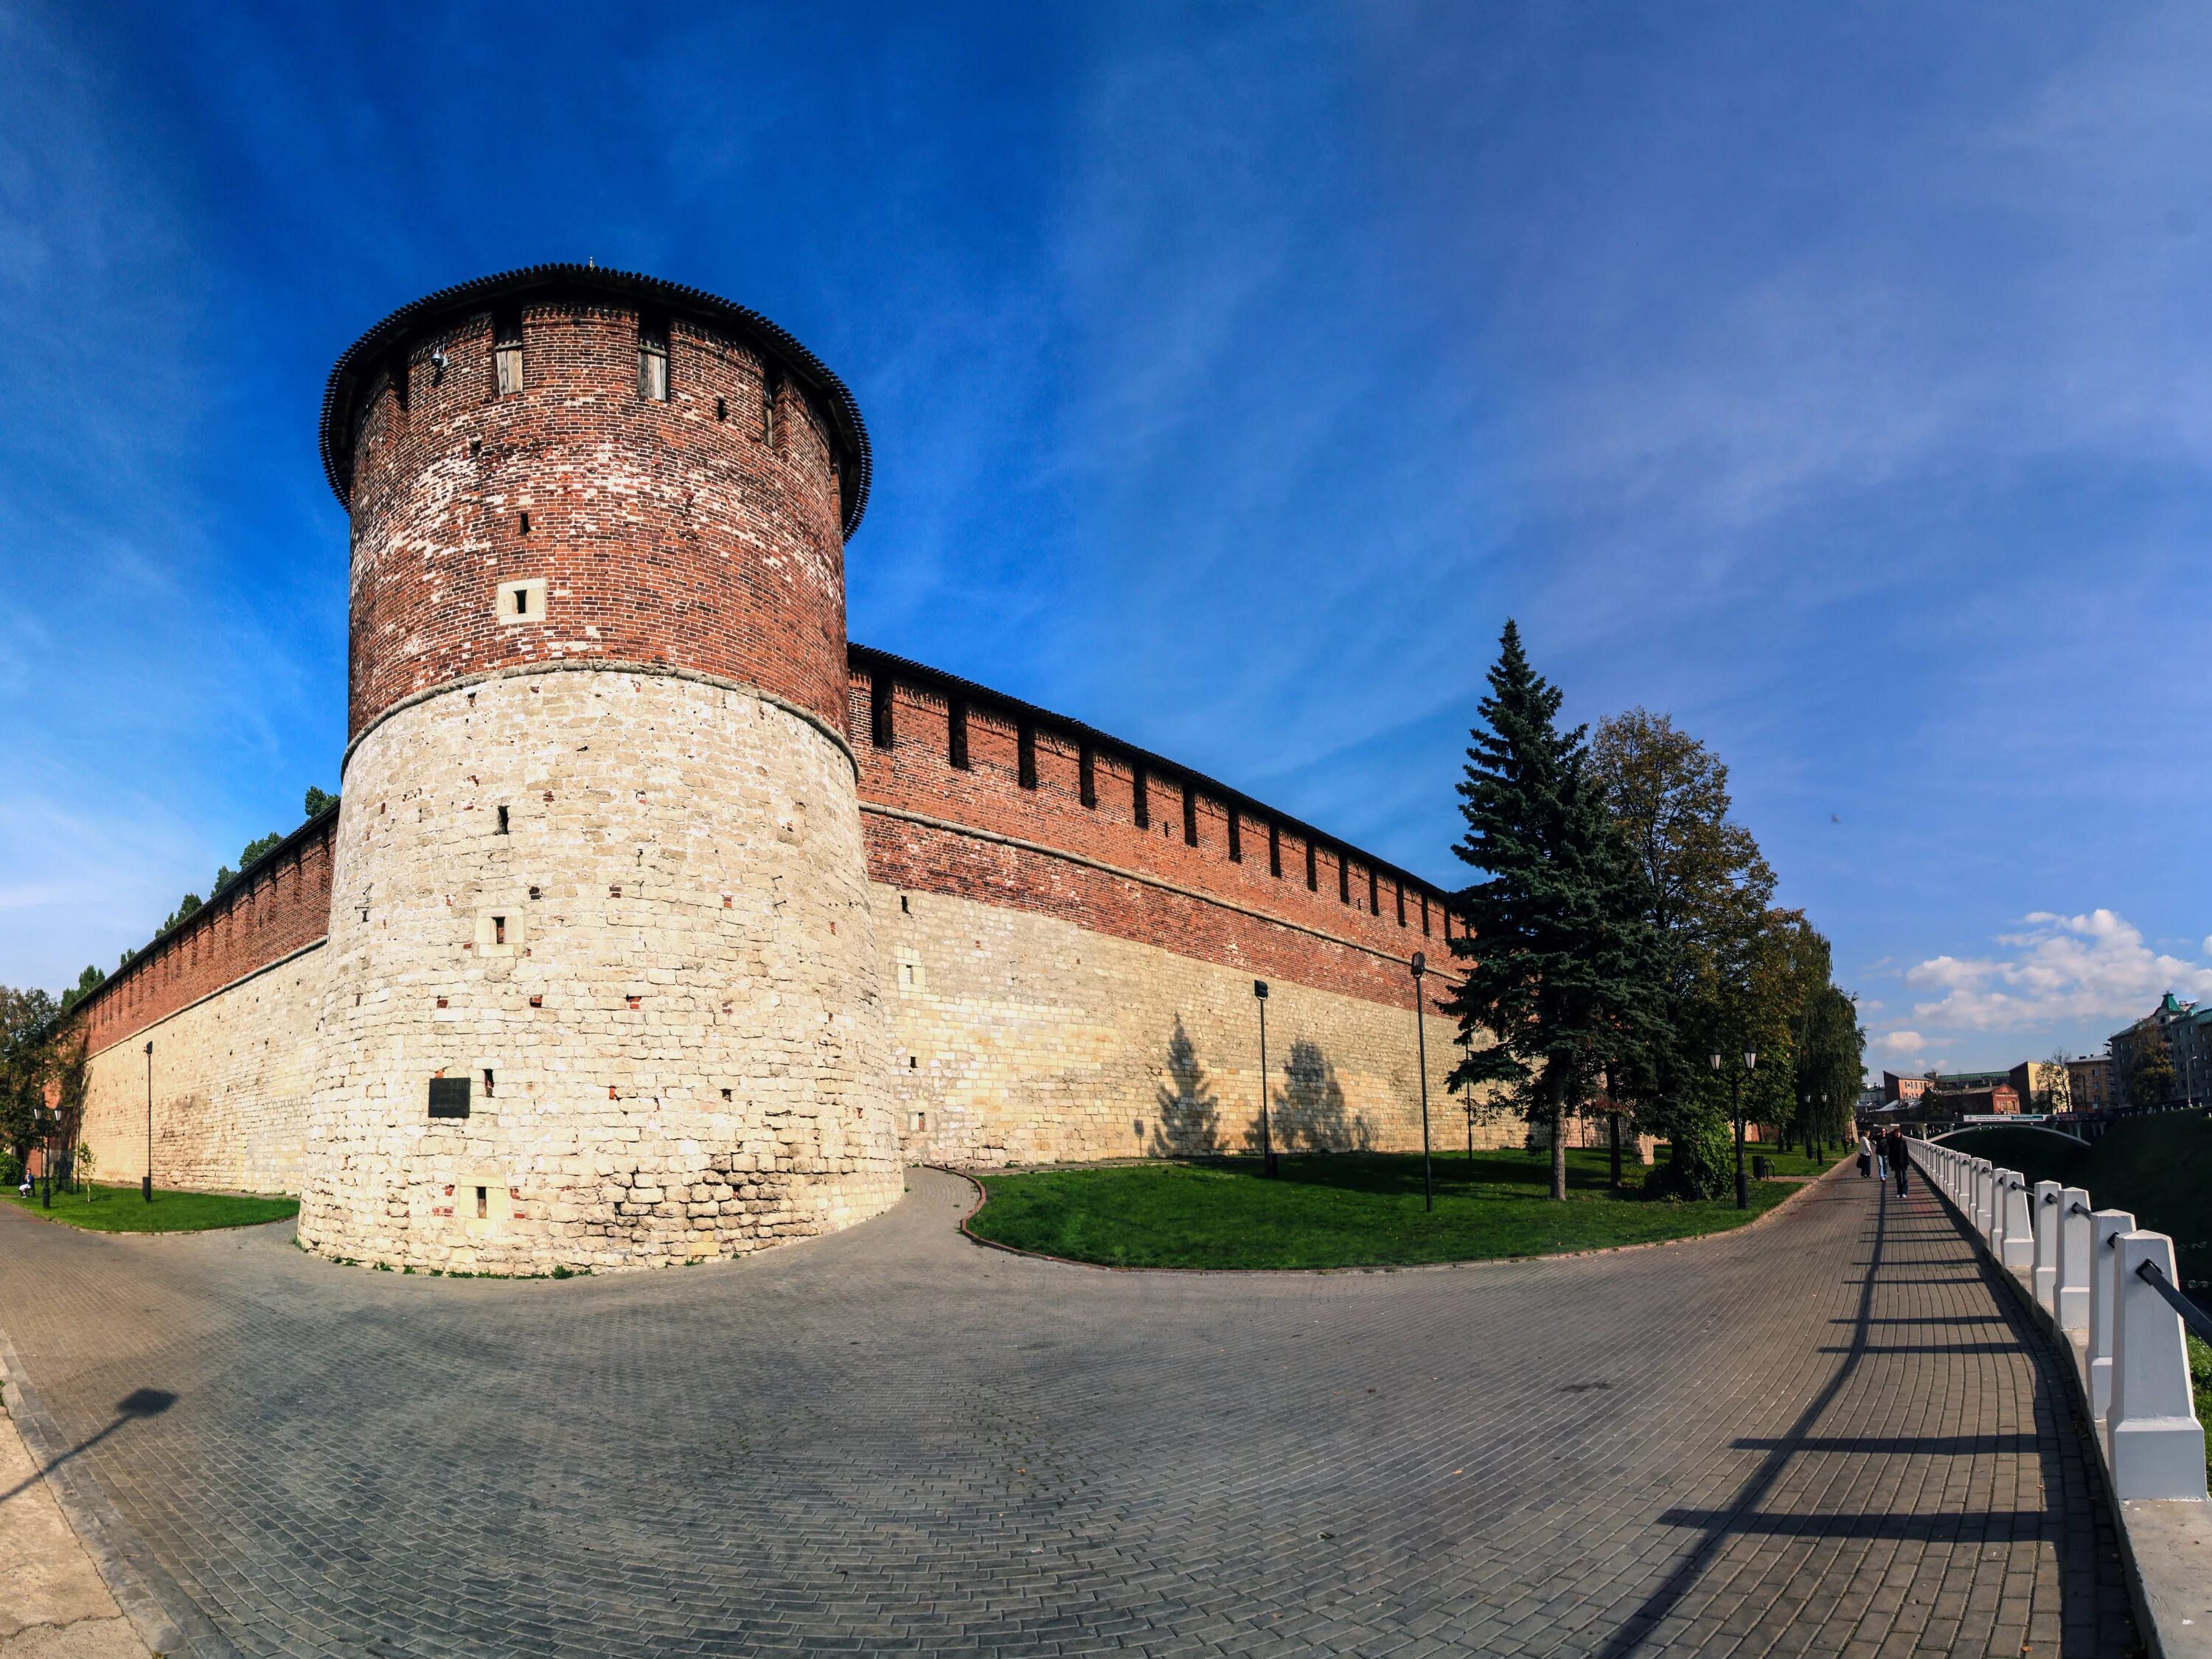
[1374,894]
[653,357]
[499,930]
[398,373]
[879,708]
[1275,851]
[507,349]
[1189,815]
[1313,877]
[955,732]
[1138,806]
[771,389]
[487,1071]
[1425,915]
[525,524]
[1087,776]
[1026,757]
[502,820]
[721,409]
[1343,879]
[481,1204]
[1236,838]
[1399,887]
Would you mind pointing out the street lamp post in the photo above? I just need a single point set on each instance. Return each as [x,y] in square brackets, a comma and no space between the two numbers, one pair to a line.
[1735,1101]
[48,1121]
[146,1187]
[1420,966]
[1466,1044]
[1266,1145]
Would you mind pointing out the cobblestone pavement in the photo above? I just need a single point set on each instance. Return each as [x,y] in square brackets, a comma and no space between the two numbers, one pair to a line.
[1832,1434]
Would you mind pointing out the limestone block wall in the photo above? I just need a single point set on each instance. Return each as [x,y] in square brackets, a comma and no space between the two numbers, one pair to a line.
[1021,1037]
[631,910]
[231,1074]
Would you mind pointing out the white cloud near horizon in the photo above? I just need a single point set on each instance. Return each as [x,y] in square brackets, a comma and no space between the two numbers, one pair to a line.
[2059,971]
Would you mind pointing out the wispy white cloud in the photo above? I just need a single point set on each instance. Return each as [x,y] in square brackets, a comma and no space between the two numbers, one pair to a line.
[2058,970]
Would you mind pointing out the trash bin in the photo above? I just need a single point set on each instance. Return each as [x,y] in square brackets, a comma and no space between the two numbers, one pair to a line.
[1759,1166]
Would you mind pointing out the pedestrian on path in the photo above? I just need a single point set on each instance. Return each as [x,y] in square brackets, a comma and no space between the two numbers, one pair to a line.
[1897,1158]
[1865,1156]
[1881,1157]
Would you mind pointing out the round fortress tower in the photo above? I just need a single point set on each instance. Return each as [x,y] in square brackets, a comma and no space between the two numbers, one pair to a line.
[603,982]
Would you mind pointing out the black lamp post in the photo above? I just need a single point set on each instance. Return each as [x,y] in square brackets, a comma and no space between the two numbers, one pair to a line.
[1735,1101]
[49,1122]
[1466,1044]
[1266,1145]
[1420,966]
[146,1187]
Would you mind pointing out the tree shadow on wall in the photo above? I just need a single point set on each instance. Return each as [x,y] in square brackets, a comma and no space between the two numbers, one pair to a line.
[1309,1111]
[1189,1121]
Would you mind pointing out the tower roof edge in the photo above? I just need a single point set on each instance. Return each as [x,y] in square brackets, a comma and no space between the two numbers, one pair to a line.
[357,360]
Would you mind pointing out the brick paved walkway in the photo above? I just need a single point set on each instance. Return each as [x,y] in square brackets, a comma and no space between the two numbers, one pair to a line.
[1830,1435]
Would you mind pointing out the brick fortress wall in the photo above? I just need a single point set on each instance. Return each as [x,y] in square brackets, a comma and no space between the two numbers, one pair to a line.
[1075,925]
[700,814]
[229,1000]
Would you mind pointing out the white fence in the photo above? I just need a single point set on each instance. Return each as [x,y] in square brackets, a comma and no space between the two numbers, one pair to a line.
[2111,1292]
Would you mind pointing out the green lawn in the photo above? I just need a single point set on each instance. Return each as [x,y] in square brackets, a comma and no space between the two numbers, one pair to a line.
[121,1210]
[1344,1210]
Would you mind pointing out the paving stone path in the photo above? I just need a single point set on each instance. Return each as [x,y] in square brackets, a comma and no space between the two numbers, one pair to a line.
[1832,1434]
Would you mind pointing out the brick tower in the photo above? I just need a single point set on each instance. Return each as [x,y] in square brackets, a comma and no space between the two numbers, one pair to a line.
[604,988]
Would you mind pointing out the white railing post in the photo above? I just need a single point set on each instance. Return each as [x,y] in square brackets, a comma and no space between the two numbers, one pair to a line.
[1977,1206]
[2105,1226]
[2019,1249]
[2044,1205]
[2155,1443]
[2071,1309]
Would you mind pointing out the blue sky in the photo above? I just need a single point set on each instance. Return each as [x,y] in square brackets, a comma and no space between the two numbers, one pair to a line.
[1838,380]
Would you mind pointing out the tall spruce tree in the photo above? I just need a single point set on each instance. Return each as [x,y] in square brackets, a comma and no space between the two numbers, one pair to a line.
[1560,971]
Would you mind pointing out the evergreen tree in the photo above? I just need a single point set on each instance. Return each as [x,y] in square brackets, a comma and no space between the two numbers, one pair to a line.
[1561,969]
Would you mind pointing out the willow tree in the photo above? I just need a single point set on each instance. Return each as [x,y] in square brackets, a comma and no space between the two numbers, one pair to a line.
[1560,969]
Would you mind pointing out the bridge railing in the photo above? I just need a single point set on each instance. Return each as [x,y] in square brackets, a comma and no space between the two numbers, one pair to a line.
[2108,1290]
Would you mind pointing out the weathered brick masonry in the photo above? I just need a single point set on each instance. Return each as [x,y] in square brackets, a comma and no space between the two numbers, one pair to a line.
[229,1000]
[714,917]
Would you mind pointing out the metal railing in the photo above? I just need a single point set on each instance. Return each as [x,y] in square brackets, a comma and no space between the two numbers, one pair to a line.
[2199,1322]
[2092,1274]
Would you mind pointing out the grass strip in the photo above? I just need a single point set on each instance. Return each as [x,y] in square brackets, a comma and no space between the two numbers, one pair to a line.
[1345,1210]
[122,1210]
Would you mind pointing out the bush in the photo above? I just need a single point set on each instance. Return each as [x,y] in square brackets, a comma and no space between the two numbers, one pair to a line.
[12,1169]
[1700,1163]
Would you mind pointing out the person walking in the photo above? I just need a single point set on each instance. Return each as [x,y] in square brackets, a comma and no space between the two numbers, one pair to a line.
[1865,1156]
[1896,1160]
[1881,1156]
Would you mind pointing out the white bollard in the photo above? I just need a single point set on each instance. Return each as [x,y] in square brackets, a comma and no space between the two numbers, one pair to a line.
[2019,1249]
[2071,1309]
[2105,1226]
[1984,1187]
[2154,1442]
[2043,1205]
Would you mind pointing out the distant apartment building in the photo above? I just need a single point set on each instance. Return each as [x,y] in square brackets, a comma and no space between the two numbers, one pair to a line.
[1897,1090]
[2044,1085]
[1999,1099]
[2090,1078]
[2183,1032]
